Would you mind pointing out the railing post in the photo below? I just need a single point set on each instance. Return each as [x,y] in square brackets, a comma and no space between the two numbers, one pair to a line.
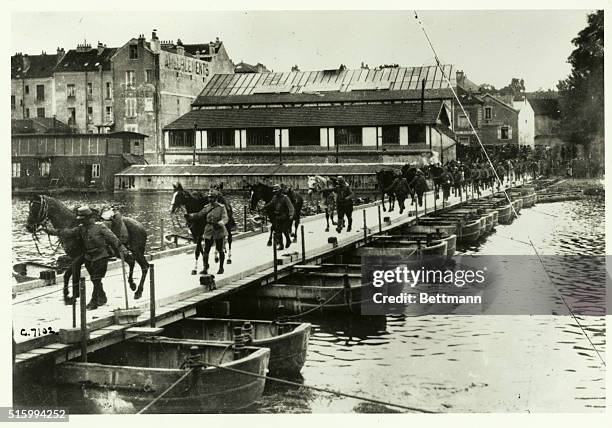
[152,294]
[161,231]
[424,202]
[379,219]
[245,218]
[303,243]
[83,299]
[365,227]
[274,256]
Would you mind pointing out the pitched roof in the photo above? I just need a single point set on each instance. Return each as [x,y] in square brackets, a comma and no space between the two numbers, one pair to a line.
[243,67]
[546,107]
[90,60]
[502,101]
[271,117]
[191,49]
[32,66]
[326,85]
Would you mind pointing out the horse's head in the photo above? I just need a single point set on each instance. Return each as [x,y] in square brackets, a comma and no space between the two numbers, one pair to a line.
[37,215]
[179,197]
[256,193]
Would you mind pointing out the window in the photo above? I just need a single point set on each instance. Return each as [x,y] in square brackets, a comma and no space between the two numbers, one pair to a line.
[148,76]
[43,168]
[16,170]
[95,170]
[40,92]
[349,135]
[260,137]
[488,112]
[109,90]
[70,92]
[12,102]
[130,107]
[304,136]
[390,135]
[464,140]
[133,51]
[130,128]
[109,113]
[505,133]
[416,134]
[27,113]
[71,115]
[89,114]
[40,112]
[148,102]
[220,137]
[462,121]
[130,77]
[182,138]
[89,90]
[27,89]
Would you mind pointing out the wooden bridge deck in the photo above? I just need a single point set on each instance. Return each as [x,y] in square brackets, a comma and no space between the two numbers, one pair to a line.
[177,291]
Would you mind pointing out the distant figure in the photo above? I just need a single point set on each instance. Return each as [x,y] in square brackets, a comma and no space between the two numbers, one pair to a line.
[215,232]
[96,239]
[344,203]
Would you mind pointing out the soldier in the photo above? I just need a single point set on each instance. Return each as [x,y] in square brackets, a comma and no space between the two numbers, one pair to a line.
[281,211]
[400,189]
[96,239]
[215,232]
[344,204]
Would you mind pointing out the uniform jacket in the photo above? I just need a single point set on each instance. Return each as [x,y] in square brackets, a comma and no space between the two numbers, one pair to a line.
[280,207]
[344,195]
[216,218]
[96,239]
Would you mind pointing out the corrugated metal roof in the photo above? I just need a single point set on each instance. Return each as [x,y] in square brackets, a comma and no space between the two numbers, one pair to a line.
[270,117]
[342,84]
[263,170]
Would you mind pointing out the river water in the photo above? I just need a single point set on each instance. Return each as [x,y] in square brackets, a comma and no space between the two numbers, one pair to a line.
[454,363]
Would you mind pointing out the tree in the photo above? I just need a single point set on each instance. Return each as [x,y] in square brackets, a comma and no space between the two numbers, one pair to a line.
[487,88]
[516,87]
[581,95]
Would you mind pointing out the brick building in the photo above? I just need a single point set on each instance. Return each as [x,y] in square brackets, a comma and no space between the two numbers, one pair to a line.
[388,115]
[155,82]
[32,87]
[83,89]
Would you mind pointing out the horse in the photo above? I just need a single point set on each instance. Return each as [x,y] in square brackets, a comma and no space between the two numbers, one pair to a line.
[194,201]
[385,178]
[441,178]
[261,191]
[45,209]
[324,189]
[417,185]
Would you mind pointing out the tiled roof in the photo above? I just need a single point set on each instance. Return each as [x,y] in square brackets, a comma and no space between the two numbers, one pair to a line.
[37,66]
[89,60]
[191,49]
[546,107]
[270,117]
[252,169]
[326,85]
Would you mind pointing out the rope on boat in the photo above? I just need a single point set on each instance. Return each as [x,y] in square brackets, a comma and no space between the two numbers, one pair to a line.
[167,390]
[500,183]
[311,309]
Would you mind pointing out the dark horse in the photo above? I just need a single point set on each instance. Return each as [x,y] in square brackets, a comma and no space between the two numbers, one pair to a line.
[385,178]
[261,191]
[441,179]
[45,209]
[194,201]
[417,184]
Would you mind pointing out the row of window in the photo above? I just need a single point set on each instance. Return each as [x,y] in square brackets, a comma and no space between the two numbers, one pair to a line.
[462,120]
[130,77]
[71,90]
[40,92]
[306,136]
[44,169]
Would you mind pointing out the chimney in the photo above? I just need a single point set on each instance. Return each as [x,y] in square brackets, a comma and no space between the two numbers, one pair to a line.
[26,62]
[100,48]
[180,49]
[60,55]
[197,54]
[141,40]
[155,45]
[84,47]
[211,48]
[294,68]
[460,77]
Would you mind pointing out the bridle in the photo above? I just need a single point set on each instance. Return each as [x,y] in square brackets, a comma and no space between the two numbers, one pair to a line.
[42,217]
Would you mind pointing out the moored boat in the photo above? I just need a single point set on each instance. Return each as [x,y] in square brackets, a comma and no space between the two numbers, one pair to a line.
[137,371]
[287,341]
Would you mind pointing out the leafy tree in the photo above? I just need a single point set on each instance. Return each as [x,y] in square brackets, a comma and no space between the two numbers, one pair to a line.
[516,87]
[581,95]
[487,88]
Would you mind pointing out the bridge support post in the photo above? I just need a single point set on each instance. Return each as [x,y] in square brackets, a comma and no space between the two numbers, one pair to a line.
[84,335]
[274,256]
[152,295]
[365,227]
[424,202]
[161,232]
[303,243]
[380,221]
[245,218]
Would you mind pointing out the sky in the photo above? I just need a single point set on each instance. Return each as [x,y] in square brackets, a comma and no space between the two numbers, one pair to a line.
[489,46]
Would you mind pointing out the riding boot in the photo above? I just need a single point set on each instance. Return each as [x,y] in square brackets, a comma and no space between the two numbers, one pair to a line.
[101,297]
[350,224]
[93,303]
[221,260]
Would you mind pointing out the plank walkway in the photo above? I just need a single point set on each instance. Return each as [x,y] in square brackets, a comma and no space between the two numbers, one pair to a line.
[177,291]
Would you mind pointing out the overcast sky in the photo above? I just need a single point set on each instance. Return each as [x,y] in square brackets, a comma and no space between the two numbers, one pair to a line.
[490,46]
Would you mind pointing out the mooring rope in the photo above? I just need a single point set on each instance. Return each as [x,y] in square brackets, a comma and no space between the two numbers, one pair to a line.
[437,59]
[166,391]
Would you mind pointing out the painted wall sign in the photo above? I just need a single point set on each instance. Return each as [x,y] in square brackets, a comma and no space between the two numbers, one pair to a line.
[185,64]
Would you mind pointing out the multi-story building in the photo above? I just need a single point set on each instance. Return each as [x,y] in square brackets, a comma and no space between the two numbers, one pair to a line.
[84,89]
[32,87]
[390,115]
[155,82]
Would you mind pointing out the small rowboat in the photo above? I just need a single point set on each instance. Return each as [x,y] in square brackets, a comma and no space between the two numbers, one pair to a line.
[384,247]
[468,230]
[135,372]
[413,239]
[287,341]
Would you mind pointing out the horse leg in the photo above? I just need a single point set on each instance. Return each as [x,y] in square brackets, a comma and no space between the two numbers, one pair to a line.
[382,198]
[229,247]
[131,262]
[296,220]
[144,269]
[269,244]
[327,219]
[198,250]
